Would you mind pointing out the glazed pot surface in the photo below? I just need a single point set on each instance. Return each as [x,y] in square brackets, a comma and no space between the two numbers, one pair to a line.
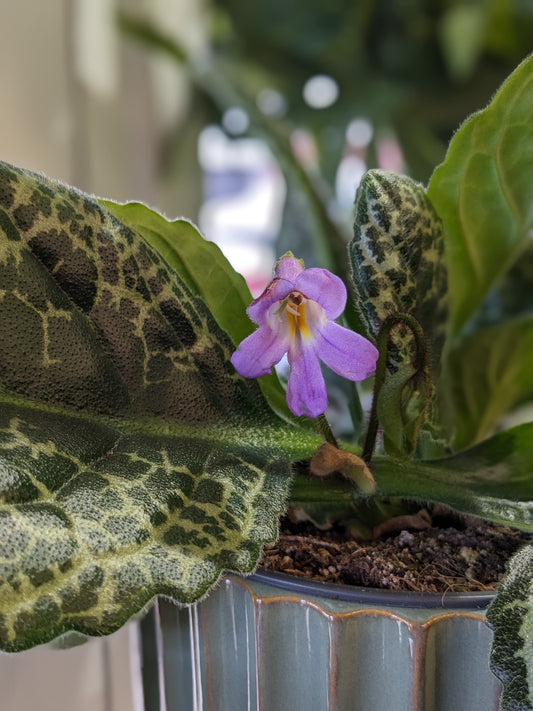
[266,643]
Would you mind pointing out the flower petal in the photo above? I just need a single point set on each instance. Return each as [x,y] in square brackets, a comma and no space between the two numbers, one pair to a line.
[289,267]
[323,287]
[347,353]
[258,352]
[306,390]
[277,290]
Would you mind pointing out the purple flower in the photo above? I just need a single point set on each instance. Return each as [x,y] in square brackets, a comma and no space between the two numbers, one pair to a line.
[296,315]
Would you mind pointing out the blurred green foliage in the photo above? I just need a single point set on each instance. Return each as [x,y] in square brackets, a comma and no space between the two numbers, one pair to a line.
[414,69]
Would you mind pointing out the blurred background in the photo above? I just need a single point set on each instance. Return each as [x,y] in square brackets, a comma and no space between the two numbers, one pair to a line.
[253,118]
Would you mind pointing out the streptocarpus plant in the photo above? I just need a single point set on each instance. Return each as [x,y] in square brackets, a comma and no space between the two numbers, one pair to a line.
[135,461]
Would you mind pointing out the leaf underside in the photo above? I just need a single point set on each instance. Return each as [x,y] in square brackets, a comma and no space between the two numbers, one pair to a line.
[134,461]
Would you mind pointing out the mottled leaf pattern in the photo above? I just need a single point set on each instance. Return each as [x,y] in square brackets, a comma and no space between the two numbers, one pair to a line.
[397,257]
[491,480]
[208,275]
[134,461]
[96,521]
[97,320]
[512,618]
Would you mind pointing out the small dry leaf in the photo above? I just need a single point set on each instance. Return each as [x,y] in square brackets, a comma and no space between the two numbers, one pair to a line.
[329,459]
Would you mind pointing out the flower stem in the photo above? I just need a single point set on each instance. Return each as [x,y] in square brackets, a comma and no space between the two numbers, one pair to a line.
[419,363]
[325,430]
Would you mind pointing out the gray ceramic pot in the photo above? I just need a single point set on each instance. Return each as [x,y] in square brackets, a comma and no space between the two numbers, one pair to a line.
[273,642]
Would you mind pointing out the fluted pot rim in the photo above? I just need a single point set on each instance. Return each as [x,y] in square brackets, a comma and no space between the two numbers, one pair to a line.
[478,600]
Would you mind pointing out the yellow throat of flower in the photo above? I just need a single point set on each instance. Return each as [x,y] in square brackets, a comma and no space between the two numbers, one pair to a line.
[294,308]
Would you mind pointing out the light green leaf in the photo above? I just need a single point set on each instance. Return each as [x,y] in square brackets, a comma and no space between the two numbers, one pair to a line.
[462,35]
[483,192]
[492,480]
[489,372]
[391,410]
[511,615]
[397,257]
[134,460]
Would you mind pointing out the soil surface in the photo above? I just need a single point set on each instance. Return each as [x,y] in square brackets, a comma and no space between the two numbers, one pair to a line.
[450,554]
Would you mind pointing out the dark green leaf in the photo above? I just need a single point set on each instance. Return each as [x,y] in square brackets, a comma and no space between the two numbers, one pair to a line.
[511,615]
[398,261]
[207,273]
[200,264]
[492,480]
[134,461]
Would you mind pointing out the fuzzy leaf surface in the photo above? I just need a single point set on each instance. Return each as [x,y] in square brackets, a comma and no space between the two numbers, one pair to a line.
[397,257]
[511,616]
[492,480]
[201,265]
[134,460]
[483,194]
[207,273]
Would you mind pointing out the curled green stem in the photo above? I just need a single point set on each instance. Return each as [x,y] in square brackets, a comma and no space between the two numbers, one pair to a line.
[419,363]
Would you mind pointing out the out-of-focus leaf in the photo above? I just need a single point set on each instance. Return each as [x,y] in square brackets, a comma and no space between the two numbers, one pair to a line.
[511,616]
[488,373]
[462,33]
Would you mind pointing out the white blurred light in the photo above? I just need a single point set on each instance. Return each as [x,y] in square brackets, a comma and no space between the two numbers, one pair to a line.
[243,205]
[359,133]
[271,102]
[320,91]
[235,120]
[217,152]
[349,174]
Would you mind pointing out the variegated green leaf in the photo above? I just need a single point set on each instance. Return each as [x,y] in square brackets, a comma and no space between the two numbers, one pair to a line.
[511,615]
[491,480]
[208,275]
[206,272]
[397,257]
[134,461]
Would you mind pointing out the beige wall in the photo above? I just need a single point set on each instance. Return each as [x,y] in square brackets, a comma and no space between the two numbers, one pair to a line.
[84,105]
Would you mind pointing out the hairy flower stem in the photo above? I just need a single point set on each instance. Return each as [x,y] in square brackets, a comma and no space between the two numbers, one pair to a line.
[419,364]
[325,430]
